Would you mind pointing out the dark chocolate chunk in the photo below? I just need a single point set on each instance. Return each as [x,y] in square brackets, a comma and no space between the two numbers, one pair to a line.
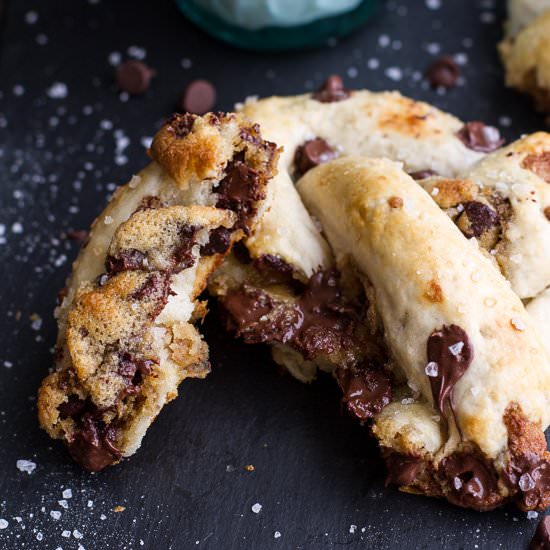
[199,97]
[238,191]
[129,259]
[449,356]
[273,269]
[155,288]
[331,90]
[218,242]
[181,124]
[478,219]
[241,253]
[93,445]
[402,469]
[366,391]
[134,370]
[312,153]
[72,408]
[421,174]
[547,213]
[317,320]
[443,72]
[134,77]
[541,538]
[539,163]
[182,256]
[480,137]
[473,482]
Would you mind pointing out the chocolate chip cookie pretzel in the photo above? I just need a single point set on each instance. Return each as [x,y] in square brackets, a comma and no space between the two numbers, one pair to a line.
[470,377]
[127,334]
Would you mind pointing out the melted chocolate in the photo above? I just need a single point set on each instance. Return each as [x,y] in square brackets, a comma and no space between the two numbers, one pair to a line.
[332,90]
[93,445]
[72,408]
[239,190]
[472,481]
[129,259]
[218,242]
[312,153]
[480,137]
[480,218]
[273,269]
[317,320]
[366,391]
[449,348]
[156,288]
[530,476]
[541,538]
[402,469]
[182,256]
[241,253]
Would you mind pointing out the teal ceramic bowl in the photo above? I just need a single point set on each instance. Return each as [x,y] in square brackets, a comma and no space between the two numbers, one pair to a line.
[278,25]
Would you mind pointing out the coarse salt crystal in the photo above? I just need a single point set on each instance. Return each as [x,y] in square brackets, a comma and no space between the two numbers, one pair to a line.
[3,524]
[526,482]
[277,535]
[55,514]
[352,528]
[66,534]
[102,517]
[39,536]
[63,503]
[77,534]
[108,220]
[26,466]
[532,514]
[517,323]
[67,493]
[58,90]
[435,191]
[455,349]
[256,508]
[90,503]
[432,369]
[457,482]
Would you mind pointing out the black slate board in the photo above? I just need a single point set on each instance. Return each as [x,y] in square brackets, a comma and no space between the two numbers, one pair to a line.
[316,473]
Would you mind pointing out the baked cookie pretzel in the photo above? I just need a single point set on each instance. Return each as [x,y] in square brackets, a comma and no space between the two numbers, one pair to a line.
[525,51]
[471,379]
[126,321]
[286,250]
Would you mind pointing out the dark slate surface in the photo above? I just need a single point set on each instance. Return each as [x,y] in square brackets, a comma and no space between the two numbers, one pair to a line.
[66,137]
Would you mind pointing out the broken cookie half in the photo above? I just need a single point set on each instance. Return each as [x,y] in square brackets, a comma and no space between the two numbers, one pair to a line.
[470,377]
[127,334]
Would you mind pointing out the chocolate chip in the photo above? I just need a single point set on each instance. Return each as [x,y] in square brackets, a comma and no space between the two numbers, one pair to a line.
[541,538]
[199,97]
[182,256]
[449,356]
[238,191]
[480,137]
[155,288]
[366,391]
[476,219]
[181,124]
[332,90]
[72,408]
[241,253]
[130,259]
[218,242]
[93,443]
[422,174]
[312,153]
[273,269]
[134,77]
[402,469]
[539,163]
[473,482]
[443,72]
[547,213]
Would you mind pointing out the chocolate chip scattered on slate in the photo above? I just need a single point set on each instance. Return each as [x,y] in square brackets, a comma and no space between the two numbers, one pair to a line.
[199,97]
[443,72]
[134,77]
[480,137]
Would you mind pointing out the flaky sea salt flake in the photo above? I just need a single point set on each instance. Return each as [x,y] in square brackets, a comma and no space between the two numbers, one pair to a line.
[27,466]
